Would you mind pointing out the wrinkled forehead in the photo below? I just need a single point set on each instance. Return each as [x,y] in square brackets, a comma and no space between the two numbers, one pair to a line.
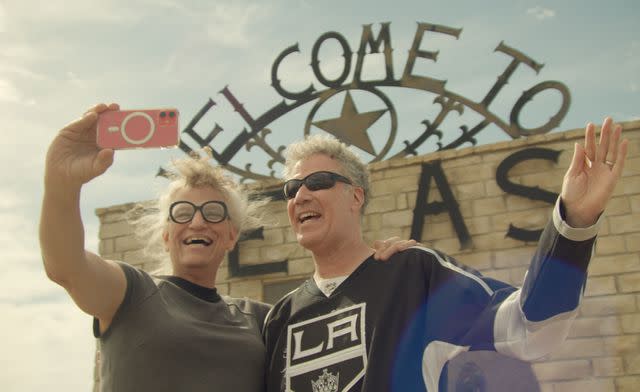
[197,195]
[315,163]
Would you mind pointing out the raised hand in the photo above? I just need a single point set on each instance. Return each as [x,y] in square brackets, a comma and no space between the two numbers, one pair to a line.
[593,174]
[390,246]
[74,158]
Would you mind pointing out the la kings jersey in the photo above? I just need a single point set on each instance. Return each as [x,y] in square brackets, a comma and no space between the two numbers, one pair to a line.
[393,326]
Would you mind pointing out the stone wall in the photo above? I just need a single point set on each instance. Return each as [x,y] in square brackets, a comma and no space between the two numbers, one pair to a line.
[602,352]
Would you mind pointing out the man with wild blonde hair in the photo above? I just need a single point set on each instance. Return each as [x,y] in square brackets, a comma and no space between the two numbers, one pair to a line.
[362,325]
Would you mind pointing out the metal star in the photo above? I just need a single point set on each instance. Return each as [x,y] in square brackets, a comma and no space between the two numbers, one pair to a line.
[351,127]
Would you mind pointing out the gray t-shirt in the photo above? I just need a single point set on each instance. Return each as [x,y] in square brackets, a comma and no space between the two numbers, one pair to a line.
[163,338]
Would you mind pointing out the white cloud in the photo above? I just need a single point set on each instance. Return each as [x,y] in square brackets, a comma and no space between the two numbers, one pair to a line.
[541,13]
[231,24]
[47,12]
[8,92]
[40,323]
[75,81]
[3,19]
[22,72]
[46,346]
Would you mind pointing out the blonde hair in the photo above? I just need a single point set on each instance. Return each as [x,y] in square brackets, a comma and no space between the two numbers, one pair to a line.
[150,219]
[353,166]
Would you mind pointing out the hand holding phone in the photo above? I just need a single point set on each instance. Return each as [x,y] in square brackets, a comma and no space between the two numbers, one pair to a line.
[147,128]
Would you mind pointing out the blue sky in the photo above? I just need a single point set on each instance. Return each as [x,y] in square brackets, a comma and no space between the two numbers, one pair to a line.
[59,58]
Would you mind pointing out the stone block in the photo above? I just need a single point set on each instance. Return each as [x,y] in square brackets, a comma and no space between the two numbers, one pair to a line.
[579,349]
[591,384]
[465,161]
[562,370]
[532,166]
[249,255]
[516,276]
[374,222]
[608,305]
[595,326]
[461,175]
[629,283]
[397,218]
[401,202]
[630,323]
[494,241]
[550,180]
[532,219]
[274,236]
[478,225]
[513,257]
[477,260]
[608,367]
[614,265]
[498,274]
[277,252]
[124,244]
[381,204]
[621,345]
[600,285]
[520,203]
[628,384]
[115,229]
[394,186]
[624,223]
[448,245]
[437,230]
[618,206]
[106,246]
[471,190]
[628,185]
[632,362]
[635,203]
[489,206]
[411,171]
[632,166]
[136,257]
[610,244]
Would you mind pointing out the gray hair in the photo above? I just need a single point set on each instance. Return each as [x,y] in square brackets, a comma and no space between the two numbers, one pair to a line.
[353,166]
[150,219]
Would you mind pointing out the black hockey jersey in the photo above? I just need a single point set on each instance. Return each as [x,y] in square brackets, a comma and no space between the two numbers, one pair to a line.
[393,326]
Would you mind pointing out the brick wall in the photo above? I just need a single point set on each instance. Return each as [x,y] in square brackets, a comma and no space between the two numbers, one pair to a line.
[602,352]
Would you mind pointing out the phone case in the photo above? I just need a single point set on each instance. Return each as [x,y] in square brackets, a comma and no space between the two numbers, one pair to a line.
[148,128]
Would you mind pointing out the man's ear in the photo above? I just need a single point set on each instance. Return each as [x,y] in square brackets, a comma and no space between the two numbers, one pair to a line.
[165,239]
[358,197]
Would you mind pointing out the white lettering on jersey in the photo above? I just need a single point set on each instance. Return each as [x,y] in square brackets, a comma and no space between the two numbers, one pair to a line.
[332,344]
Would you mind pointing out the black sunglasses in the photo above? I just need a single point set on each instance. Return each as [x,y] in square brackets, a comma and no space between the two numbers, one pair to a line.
[314,182]
[212,211]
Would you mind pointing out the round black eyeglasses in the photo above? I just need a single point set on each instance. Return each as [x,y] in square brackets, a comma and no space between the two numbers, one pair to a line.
[314,182]
[212,211]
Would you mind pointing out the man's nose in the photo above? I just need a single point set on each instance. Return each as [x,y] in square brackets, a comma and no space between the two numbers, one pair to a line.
[198,219]
[302,195]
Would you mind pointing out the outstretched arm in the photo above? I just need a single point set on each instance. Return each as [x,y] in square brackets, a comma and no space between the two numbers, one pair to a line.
[533,320]
[73,159]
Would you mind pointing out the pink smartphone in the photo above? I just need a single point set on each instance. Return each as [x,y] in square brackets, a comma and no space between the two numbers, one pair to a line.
[147,128]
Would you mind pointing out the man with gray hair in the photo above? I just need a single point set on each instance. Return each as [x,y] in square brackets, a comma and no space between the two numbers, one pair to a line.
[363,325]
